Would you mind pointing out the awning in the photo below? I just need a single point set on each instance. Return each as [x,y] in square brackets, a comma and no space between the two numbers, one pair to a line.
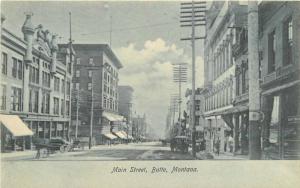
[15,125]
[110,136]
[120,135]
[124,133]
[113,117]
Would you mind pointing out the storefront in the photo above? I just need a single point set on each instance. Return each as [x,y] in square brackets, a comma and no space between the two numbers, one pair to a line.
[13,133]
[281,131]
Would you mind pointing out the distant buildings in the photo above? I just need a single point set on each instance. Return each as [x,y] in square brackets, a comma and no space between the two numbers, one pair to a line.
[125,106]
[35,86]
[95,74]
[139,127]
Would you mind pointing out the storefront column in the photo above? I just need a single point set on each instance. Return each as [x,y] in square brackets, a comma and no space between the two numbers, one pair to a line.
[50,129]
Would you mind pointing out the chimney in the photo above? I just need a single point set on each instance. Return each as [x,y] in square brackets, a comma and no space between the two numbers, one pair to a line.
[54,49]
[28,31]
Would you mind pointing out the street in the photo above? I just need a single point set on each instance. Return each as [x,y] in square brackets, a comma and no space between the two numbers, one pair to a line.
[131,151]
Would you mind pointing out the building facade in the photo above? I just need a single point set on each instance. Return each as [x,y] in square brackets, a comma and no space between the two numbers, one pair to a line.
[35,83]
[95,85]
[223,18]
[279,56]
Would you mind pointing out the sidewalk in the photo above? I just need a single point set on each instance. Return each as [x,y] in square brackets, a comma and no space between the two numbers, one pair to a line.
[229,156]
[223,156]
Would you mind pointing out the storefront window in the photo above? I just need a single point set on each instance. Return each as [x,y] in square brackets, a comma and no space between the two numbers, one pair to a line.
[274,124]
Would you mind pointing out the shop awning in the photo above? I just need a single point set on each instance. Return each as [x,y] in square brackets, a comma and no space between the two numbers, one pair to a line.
[110,136]
[120,135]
[113,117]
[15,125]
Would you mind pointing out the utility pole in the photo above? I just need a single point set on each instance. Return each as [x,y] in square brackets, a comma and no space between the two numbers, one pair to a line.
[92,114]
[70,64]
[254,95]
[191,12]
[179,76]
[77,111]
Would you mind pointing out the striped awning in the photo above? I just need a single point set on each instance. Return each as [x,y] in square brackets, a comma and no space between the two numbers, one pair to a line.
[110,136]
[113,117]
[15,125]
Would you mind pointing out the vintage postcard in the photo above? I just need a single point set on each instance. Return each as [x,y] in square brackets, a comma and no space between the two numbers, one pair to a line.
[150,94]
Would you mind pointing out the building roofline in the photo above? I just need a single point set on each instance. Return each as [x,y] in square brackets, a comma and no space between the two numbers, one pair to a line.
[106,48]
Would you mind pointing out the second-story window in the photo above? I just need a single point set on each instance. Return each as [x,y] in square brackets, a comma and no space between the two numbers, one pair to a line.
[271,51]
[16,99]
[288,41]
[56,106]
[4,63]
[14,67]
[3,98]
[20,69]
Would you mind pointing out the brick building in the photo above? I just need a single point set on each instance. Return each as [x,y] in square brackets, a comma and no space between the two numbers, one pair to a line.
[95,69]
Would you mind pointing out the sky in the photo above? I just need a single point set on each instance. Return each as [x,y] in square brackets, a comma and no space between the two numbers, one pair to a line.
[145,38]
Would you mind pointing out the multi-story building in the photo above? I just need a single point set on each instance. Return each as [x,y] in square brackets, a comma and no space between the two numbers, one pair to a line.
[35,84]
[223,17]
[199,110]
[95,81]
[139,127]
[125,106]
[279,25]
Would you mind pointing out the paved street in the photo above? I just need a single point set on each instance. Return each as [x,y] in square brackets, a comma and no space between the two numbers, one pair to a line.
[132,151]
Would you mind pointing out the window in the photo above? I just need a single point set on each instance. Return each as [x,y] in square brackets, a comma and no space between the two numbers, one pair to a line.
[78,61]
[16,99]
[77,73]
[77,86]
[62,107]
[90,74]
[56,84]
[45,102]
[62,85]
[4,63]
[271,51]
[288,41]
[20,69]
[91,61]
[14,67]
[56,106]
[104,102]
[67,108]
[3,97]
[68,88]
[46,79]
[89,86]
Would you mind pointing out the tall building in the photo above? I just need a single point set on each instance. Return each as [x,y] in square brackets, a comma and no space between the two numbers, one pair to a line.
[96,74]
[125,106]
[35,85]
[223,19]
[139,127]
[279,45]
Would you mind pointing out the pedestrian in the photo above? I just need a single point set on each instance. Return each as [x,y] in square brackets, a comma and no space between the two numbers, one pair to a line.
[218,146]
[230,143]
[225,143]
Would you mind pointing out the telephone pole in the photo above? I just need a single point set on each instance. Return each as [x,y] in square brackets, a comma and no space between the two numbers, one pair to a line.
[77,113]
[192,16]
[179,76]
[92,114]
[254,95]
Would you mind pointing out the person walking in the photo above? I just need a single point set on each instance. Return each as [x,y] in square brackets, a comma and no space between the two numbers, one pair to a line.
[218,146]
[230,142]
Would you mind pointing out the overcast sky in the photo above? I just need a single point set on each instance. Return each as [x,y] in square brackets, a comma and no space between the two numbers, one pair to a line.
[146,39]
